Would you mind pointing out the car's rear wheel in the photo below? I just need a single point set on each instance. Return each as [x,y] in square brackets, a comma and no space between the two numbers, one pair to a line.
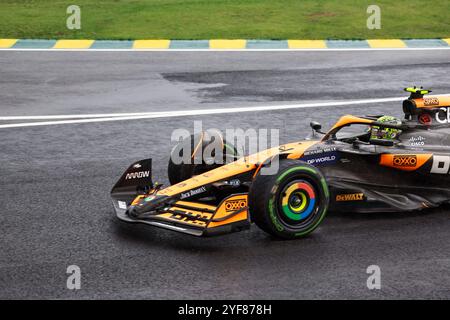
[196,163]
[291,203]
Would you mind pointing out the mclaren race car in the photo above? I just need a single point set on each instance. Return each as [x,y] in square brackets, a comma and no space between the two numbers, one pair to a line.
[362,164]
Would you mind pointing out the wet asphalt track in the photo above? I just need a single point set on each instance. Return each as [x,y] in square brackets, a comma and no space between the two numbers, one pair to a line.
[55,180]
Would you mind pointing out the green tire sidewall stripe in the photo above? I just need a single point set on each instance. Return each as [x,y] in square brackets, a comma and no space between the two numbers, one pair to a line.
[273,216]
[293,170]
[325,187]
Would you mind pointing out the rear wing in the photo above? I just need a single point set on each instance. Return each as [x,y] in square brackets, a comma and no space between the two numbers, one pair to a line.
[418,103]
[432,102]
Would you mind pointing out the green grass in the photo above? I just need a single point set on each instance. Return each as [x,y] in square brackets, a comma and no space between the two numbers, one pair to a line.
[209,19]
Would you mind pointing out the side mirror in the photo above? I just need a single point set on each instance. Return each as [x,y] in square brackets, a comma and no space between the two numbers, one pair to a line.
[316,126]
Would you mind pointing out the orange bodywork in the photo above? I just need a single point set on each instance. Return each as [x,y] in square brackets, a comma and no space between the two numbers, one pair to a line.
[430,102]
[193,213]
[137,200]
[345,121]
[233,203]
[199,206]
[349,119]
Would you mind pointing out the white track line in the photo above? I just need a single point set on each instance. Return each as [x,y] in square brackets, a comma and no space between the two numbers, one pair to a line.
[175,113]
[234,50]
[75,116]
[167,114]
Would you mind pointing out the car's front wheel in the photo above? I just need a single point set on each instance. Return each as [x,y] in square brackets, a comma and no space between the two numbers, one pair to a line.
[290,203]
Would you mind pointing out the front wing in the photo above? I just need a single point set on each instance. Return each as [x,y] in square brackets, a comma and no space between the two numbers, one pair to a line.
[195,218]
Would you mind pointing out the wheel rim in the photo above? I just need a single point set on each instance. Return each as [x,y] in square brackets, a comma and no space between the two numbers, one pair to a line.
[298,201]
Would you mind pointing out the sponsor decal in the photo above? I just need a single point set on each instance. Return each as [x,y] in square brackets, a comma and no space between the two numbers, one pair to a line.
[404,161]
[150,198]
[441,164]
[319,151]
[322,160]
[137,175]
[417,141]
[191,219]
[234,205]
[434,101]
[122,204]
[443,116]
[234,182]
[137,166]
[320,157]
[350,197]
[425,118]
[191,193]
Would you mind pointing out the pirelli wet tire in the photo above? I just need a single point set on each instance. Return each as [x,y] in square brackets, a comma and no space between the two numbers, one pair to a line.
[183,167]
[291,203]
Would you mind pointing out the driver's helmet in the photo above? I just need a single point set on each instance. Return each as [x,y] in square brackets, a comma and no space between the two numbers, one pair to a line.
[386,133]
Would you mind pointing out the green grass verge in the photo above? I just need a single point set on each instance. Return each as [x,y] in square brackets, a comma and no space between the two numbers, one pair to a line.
[208,19]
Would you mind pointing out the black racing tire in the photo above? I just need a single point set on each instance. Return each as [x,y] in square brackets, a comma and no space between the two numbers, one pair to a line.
[291,203]
[178,172]
[183,171]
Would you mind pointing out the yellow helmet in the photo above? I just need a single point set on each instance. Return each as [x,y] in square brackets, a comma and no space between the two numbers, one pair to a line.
[383,133]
